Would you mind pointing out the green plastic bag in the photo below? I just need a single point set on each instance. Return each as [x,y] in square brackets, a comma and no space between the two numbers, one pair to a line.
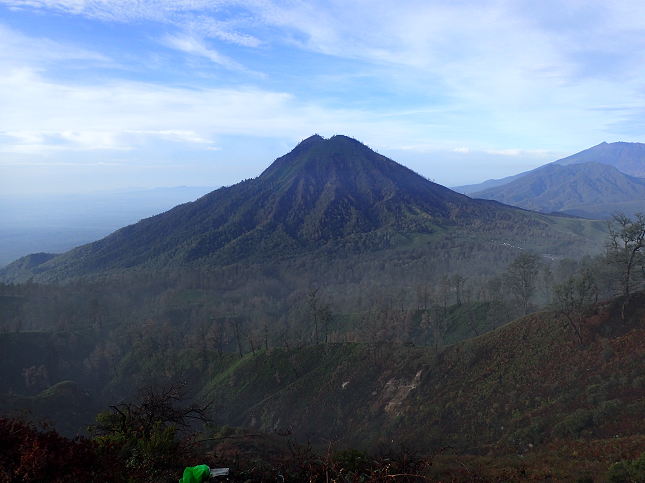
[196,474]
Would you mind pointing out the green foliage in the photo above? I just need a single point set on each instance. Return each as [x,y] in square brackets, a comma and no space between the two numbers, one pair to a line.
[351,460]
[627,471]
[574,424]
[161,449]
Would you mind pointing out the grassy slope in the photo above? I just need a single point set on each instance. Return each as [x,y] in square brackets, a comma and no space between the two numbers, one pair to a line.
[524,388]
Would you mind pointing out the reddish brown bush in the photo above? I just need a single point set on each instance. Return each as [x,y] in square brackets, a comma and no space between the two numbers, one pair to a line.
[39,454]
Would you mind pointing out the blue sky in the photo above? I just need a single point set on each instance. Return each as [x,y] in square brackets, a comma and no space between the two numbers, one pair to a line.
[112,94]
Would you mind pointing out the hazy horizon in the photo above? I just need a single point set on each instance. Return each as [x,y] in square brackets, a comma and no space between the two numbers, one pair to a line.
[56,223]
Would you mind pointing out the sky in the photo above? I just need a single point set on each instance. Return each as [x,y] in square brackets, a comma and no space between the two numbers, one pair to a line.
[109,94]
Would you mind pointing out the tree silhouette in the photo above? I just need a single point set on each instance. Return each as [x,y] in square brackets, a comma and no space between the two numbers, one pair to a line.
[624,250]
[520,278]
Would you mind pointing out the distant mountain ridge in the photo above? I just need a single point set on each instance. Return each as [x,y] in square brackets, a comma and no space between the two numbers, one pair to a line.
[326,194]
[469,189]
[628,158]
[594,183]
[591,190]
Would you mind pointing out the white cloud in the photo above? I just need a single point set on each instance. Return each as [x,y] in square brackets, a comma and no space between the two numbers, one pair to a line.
[535,153]
[505,78]
[484,51]
[197,15]
[18,48]
[193,46]
[504,152]
[216,29]
[40,116]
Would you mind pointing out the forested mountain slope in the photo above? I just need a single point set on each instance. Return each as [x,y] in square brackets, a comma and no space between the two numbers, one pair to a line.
[531,386]
[628,158]
[591,190]
[334,196]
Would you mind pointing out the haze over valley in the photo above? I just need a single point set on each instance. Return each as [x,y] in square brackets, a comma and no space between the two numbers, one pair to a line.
[56,223]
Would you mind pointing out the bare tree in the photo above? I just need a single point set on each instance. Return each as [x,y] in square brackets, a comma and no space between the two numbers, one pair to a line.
[237,330]
[312,302]
[520,278]
[626,239]
[438,324]
[157,407]
[215,338]
[444,290]
[290,355]
[494,286]
[458,283]
[325,318]
[265,335]
[255,342]
[547,281]
[423,295]
[571,295]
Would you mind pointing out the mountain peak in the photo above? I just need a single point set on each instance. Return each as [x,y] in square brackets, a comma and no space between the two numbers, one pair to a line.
[324,194]
[590,189]
[628,158]
[309,142]
[344,165]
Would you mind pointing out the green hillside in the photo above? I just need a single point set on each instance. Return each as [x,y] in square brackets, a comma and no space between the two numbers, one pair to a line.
[527,383]
[527,388]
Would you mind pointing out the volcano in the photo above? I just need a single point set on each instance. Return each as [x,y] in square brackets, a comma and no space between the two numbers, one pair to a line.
[326,194]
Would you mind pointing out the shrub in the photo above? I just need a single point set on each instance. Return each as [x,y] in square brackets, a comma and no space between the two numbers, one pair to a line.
[147,432]
[627,471]
[32,453]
